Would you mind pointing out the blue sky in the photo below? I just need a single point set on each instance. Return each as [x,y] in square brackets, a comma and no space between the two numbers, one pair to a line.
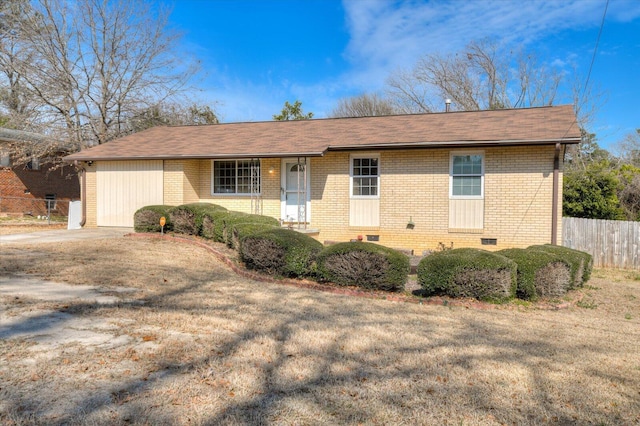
[257,54]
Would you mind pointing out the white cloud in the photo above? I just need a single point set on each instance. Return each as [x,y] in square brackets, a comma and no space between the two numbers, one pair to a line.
[388,35]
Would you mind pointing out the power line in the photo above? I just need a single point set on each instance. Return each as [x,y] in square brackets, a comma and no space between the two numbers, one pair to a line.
[593,59]
[595,49]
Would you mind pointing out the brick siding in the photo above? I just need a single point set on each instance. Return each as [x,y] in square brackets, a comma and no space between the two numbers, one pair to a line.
[21,188]
[414,185]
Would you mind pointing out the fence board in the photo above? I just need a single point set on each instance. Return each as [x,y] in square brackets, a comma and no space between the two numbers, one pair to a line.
[612,243]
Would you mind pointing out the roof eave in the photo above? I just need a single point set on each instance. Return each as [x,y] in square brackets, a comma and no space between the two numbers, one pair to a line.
[80,157]
[456,144]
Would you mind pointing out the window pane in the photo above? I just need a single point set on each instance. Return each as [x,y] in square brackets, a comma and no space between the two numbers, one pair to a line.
[365,167]
[476,162]
[235,177]
[467,165]
[248,175]
[224,177]
[467,185]
[356,186]
[466,174]
[365,186]
[244,177]
[365,176]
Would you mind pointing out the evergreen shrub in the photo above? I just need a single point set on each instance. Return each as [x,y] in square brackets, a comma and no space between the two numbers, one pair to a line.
[213,225]
[187,218]
[581,263]
[280,252]
[367,265]
[468,272]
[147,219]
[235,218]
[241,230]
[540,273]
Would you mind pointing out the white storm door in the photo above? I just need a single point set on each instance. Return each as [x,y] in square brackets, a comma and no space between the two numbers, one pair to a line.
[296,179]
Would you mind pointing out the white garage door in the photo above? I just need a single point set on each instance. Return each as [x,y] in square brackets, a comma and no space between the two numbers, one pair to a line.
[125,186]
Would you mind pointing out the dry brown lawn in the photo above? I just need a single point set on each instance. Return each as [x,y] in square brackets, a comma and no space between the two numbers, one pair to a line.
[11,228]
[192,343]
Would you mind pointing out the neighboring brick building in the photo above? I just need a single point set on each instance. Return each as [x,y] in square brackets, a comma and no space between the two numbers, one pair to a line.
[490,179]
[25,187]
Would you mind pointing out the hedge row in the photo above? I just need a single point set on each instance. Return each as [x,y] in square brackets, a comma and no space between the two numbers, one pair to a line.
[538,271]
[204,219]
[263,245]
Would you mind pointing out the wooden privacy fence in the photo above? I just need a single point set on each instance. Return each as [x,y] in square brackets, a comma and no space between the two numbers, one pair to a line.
[612,243]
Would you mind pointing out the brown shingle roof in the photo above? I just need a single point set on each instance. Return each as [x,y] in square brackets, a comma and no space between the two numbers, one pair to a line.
[315,137]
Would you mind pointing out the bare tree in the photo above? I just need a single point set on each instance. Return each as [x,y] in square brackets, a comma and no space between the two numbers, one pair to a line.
[364,105]
[16,106]
[628,149]
[629,194]
[408,94]
[483,76]
[97,63]
[172,115]
[629,156]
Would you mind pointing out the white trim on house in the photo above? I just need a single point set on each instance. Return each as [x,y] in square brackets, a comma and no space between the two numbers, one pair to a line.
[364,210]
[236,193]
[453,154]
[364,155]
[466,212]
[284,215]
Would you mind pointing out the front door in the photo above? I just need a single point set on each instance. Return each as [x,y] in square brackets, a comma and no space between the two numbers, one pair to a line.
[296,190]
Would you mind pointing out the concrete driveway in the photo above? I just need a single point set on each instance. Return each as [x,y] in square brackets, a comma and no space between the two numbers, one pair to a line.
[64,235]
[48,326]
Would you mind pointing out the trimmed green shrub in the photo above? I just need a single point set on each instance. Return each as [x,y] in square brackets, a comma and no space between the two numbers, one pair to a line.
[234,218]
[147,219]
[365,265]
[581,263]
[540,273]
[280,252]
[187,218]
[241,230]
[213,225]
[468,272]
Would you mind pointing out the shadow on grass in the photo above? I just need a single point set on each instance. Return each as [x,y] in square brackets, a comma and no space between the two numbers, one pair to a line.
[374,368]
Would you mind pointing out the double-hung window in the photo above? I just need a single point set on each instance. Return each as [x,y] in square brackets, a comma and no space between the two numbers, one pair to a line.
[236,177]
[365,176]
[467,175]
[50,201]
